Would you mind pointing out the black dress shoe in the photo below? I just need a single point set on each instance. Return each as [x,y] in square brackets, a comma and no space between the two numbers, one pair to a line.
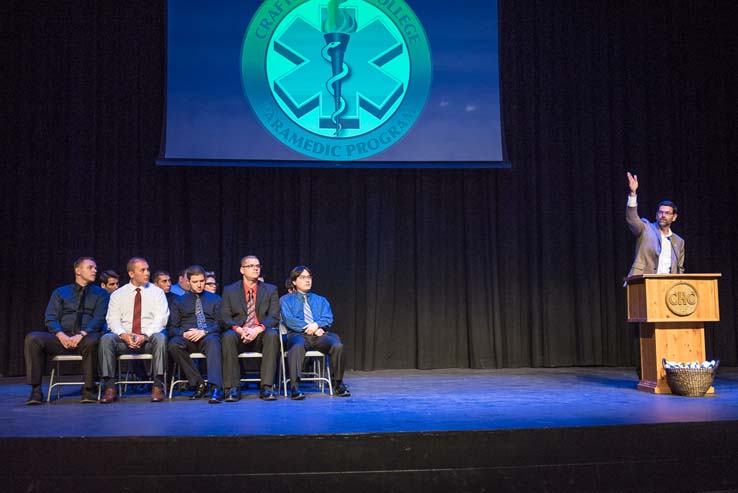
[234,395]
[267,394]
[341,390]
[296,395]
[217,396]
[200,392]
[88,397]
[35,398]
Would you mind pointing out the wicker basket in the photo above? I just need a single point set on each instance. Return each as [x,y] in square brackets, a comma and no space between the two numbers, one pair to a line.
[691,382]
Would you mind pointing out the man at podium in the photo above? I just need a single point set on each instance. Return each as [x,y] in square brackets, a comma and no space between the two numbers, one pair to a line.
[658,249]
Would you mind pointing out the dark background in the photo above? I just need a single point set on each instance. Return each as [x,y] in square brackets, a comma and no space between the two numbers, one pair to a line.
[425,269]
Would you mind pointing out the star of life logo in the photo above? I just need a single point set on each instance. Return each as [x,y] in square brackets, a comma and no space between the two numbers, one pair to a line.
[336,80]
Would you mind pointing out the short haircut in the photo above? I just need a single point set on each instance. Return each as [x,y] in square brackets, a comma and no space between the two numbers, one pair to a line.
[108,274]
[668,203]
[194,270]
[133,261]
[183,272]
[248,256]
[160,273]
[210,273]
[295,273]
[79,261]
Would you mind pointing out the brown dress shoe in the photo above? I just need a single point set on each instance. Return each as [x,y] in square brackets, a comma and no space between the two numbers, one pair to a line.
[157,395]
[109,396]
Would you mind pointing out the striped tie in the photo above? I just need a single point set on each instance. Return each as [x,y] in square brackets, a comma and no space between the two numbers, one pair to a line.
[307,311]
[250,309]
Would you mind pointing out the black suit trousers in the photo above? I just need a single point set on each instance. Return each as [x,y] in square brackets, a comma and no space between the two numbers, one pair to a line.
[180,348]
[329,343]
[266,343]
[39,345]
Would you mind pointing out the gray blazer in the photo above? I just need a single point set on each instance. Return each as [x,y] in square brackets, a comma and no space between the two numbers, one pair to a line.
[648,245]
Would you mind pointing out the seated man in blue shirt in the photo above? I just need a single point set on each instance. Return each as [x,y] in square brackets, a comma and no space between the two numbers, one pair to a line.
[194,327]
[74,321]
[308,317]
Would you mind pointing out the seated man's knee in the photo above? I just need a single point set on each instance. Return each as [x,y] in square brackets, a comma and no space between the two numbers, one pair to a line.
[158,339]
[108,339]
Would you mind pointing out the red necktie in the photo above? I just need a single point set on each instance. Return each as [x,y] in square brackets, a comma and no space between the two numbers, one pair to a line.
[137,312]
[250,309]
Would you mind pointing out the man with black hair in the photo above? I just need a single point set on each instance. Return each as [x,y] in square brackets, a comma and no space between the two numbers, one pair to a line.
[109,280]
[308,318]
[194,327]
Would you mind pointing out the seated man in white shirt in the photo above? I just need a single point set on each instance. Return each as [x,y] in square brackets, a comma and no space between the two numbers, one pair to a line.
[137,316]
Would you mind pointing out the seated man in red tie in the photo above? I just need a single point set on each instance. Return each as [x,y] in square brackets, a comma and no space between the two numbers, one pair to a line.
[308,317]
[194,327]
[250,307]
[74,321]
[137,316]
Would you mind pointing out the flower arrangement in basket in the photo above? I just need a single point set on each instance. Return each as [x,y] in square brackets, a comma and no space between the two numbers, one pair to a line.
[691,379]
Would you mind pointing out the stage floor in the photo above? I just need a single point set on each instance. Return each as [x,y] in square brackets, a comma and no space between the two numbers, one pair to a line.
[389,401]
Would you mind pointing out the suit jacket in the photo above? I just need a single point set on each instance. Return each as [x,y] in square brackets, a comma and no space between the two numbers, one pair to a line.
[648,245]
[233,305]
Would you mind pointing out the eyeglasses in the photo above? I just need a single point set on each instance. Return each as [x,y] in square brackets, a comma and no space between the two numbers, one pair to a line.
[211,283]
[305,276]
[251,266]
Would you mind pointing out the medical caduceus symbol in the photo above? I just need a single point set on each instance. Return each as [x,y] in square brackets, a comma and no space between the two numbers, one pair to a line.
[336,31]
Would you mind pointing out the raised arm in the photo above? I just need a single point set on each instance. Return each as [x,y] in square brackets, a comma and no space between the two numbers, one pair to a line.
[635,224]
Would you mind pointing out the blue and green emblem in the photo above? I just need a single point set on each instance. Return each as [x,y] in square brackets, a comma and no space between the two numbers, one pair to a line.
[336,79]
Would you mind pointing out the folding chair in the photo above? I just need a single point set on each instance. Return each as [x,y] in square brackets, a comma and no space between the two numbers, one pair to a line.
[123,382]
[56,370]
[250,355]
[177,377]
[320,372]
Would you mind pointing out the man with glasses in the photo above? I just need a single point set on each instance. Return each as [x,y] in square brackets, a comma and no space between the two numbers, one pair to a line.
[658,249]
[250,307]
[308,318]
[211,283]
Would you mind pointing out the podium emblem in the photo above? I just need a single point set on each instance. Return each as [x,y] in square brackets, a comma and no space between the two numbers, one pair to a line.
[681,299]
[336,80]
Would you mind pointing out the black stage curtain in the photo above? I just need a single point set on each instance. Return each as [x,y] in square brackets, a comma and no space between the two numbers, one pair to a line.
[425,269]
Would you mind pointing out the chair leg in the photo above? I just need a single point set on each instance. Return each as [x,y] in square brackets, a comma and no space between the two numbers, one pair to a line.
[328,375]
[51,385]
[176,375]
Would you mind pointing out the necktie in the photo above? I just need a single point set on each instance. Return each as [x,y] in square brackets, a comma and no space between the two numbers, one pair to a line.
[137,312]
[307,311]
[80,310]
[250,309]
[199,314]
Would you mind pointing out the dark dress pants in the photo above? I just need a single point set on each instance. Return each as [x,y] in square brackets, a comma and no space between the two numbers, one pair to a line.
[329,343]
[39,345]
[266,343]
[180,349]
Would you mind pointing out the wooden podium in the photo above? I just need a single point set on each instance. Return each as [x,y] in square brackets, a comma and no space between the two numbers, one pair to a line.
[671,310]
